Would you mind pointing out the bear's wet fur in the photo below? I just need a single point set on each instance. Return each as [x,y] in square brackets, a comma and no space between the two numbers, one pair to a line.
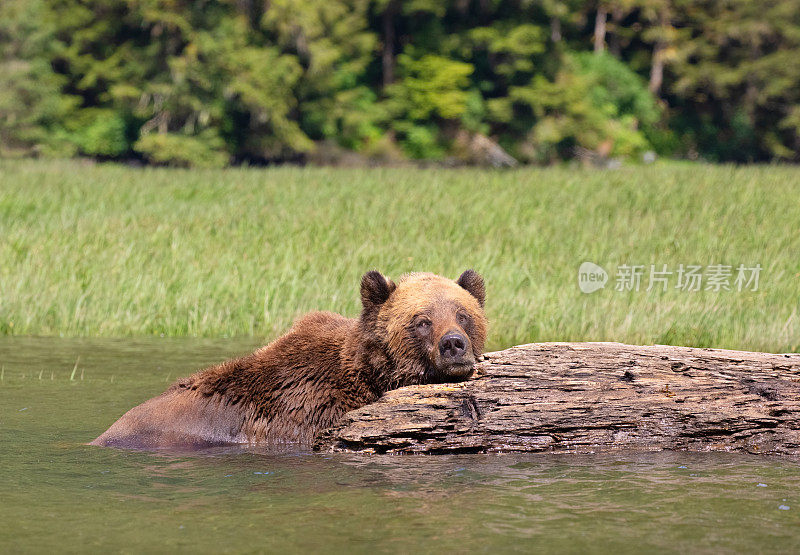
[424,329]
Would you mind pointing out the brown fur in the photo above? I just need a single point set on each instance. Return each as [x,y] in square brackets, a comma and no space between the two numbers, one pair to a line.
[324,366]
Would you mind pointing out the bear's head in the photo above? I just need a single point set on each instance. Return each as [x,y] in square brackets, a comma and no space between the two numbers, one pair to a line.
[431,329]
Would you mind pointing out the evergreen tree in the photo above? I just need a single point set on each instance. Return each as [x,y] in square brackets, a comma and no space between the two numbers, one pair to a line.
[220,81]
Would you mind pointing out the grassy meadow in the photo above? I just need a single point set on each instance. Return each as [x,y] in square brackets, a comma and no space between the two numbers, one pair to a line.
[107,250]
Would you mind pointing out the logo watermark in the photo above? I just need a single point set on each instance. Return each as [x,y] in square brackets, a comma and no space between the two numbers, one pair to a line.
[684,277]
[591,277]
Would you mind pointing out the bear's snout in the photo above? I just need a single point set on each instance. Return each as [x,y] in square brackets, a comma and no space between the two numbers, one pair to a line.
[454,353]
[452,346]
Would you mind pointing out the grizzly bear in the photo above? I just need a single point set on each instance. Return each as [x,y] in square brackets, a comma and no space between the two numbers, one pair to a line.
[424,329]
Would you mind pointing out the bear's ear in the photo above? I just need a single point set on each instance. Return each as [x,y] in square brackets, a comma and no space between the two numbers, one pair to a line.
[375,289]
[473,282]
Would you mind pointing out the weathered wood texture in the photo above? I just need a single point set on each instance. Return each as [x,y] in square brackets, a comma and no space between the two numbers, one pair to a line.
[586,397]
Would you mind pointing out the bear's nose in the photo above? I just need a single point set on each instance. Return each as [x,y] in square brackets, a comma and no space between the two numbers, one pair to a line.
[452,346]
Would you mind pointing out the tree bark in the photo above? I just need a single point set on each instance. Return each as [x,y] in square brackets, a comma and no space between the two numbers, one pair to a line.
[657,69]
[555,29]
[387,56]
[659,48]
[588,397]
[600,29]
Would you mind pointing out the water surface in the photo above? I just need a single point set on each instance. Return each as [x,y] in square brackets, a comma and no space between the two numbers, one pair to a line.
[57,494]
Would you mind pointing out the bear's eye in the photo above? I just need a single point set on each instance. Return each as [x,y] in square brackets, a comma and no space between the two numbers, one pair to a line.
[463,319]
[423,325]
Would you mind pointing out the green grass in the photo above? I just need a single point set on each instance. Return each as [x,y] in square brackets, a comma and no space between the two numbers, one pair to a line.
[114,251]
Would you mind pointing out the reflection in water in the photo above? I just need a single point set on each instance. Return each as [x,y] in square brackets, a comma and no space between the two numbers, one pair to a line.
[58,494]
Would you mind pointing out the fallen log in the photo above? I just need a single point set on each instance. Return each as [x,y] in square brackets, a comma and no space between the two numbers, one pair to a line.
[588,397]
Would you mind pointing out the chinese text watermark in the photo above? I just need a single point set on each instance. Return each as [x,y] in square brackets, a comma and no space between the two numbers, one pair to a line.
[684,277]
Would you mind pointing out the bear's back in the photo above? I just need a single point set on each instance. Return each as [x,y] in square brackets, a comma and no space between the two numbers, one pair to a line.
[283,392]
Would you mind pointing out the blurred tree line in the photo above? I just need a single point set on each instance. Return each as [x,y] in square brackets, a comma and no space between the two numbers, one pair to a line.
[213,82]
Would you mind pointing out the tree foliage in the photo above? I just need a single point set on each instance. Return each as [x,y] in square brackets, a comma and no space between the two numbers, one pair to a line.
[220,81]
